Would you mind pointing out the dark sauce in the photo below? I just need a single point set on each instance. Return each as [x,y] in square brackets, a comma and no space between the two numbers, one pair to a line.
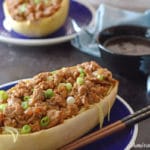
[128,45]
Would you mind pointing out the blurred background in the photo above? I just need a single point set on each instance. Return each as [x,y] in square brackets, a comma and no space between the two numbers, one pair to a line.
[136,5]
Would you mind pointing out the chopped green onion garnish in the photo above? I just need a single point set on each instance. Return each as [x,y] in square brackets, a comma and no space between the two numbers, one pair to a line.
[37,1]
[3,107]
[3,95]
[54,72]
[26,129]
[80,70]
[46,1]
[26,98]
[100,77]
[69,86]
[80,80]
[25,105]
[82,73]
[44,121]
[49,93]
[22,8]
[50,78]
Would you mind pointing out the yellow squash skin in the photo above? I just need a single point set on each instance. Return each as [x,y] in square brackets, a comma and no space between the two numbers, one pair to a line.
[58,136]
[41,27]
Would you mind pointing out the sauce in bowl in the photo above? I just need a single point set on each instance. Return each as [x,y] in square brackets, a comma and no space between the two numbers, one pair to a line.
[128,45]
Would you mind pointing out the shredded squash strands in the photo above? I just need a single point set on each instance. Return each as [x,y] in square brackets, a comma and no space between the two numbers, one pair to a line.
[101,115]
[110,89]
[109,109]
[12,131]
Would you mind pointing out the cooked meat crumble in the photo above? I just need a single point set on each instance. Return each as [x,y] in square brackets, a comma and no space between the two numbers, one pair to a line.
[49,98]
[21,10]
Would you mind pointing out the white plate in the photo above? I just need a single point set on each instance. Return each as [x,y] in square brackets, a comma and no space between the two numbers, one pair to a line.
[82,13]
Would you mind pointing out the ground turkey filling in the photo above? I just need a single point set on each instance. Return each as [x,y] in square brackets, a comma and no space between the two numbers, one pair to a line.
[51,97]
[32,9]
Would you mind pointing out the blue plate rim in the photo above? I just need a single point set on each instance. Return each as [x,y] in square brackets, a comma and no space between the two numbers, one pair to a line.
[135,127]
[135,130]
[49,41]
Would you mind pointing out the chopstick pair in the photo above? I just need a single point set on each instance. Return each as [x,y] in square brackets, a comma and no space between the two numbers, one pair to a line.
[127,121]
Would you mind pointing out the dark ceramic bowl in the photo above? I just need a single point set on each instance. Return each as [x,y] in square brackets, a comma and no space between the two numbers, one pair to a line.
[128,65]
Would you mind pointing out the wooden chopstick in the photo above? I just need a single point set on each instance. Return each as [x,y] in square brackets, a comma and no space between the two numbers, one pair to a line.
[110,129]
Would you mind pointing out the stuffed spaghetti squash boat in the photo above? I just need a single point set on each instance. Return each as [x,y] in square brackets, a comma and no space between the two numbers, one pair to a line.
[35,18]
[54,108]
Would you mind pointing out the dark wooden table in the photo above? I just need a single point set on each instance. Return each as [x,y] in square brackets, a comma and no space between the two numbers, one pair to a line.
[18,62]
